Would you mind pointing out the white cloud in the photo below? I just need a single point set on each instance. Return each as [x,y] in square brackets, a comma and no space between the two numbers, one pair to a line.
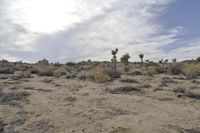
[82,29]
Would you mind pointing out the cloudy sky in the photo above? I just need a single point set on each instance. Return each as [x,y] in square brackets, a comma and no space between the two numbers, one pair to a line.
[75,30]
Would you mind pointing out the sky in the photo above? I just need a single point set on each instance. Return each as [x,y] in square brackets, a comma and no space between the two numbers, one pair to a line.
[76,30]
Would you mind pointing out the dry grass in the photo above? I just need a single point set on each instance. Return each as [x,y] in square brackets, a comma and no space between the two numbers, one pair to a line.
[191,70]
[175,69]
[98,76]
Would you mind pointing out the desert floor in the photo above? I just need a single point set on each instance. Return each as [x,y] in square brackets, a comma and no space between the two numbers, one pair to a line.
[60,105]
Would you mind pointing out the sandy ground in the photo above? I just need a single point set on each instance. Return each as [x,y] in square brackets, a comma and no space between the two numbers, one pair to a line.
[74,106]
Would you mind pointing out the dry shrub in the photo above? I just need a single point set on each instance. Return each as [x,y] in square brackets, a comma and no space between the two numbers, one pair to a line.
[98,76]
[47,80]
[23,74]
[45,70]
[155,70]
[179,89]
[193,93]
[175,69]
[59,72]
[191,70]
[111,72]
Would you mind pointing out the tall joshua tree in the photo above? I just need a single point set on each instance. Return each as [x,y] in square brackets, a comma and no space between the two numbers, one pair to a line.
[124,59]
[141,57]
[114,59]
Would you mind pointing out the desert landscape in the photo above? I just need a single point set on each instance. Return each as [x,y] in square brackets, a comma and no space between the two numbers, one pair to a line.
[99,66]
[100,97]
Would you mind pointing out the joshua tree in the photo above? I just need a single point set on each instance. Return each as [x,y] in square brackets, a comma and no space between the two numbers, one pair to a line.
[124,59]
[160,61]
[166,61]
[141,57]
[174,60]
[198,59]
[114,59]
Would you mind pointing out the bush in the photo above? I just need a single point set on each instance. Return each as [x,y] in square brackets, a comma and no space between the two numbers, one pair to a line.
[191,70]
[47,80]
[98,76]
[25,74]
[45,71]
[111,72]
[72,64]
[175,69]
[7,70]
[155,69]
[179,89]
[193,93]
[59,72]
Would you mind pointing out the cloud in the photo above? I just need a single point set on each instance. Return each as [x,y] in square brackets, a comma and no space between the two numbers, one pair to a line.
[93,30]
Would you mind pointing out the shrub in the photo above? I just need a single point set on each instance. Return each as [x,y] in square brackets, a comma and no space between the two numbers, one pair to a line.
[98,76]
[59,72]
[47,80]
[193,93]
[191,70]
[72,64]
[175,69]
[7,70]
[23,74]
[179,89]
[45,71]
[159,69]
[112,73]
